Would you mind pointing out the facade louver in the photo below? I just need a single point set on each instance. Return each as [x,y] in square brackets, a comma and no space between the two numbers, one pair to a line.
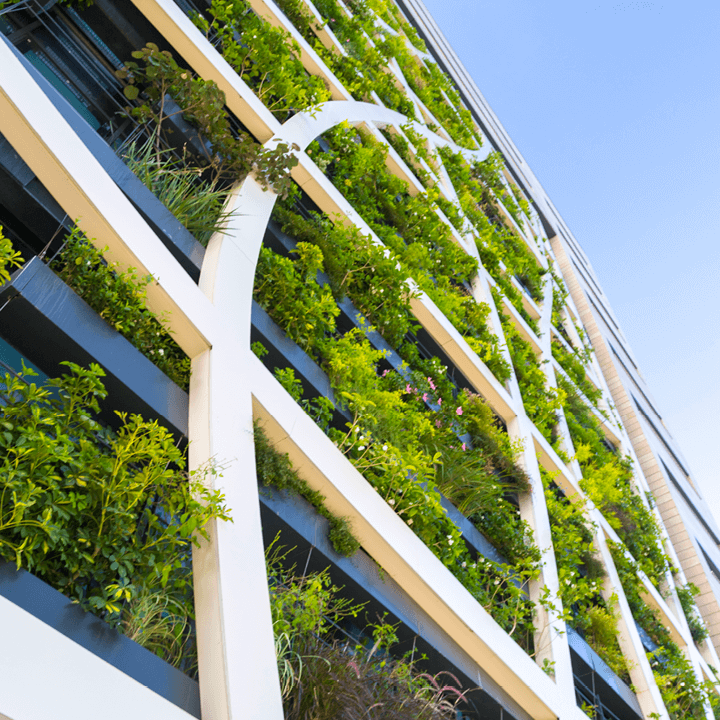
[314,407]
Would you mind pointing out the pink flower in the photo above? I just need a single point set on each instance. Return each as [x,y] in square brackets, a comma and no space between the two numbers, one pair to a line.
[385,372]
[432,384]
[464,447]
[439,401]
[425,397]
[459,411]
[438,423]
[408,389]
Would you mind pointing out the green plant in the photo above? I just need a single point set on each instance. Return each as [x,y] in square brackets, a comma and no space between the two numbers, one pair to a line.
[686,595]
[574,362]
[289,291]
[160,623]
[264,56]
[683,693]
[579,576]
[198,204]
[108,518]
[608,481]
[276,470]
[356,267]
[541,402]
[414,234]
[119,297]
[8,257]
[158,76]
[503,252]
[404,423]
[324,678]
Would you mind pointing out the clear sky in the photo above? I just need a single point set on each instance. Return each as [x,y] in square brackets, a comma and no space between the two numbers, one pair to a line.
[616,108]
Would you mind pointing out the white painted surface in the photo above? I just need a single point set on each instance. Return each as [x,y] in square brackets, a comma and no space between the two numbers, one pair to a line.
[46,676]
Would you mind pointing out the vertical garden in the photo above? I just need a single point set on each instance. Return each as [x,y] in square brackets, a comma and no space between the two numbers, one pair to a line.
[99,504]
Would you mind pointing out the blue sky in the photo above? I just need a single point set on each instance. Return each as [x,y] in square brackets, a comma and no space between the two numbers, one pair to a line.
[616,108]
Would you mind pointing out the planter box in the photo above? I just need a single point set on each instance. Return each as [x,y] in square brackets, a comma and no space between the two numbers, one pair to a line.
[595,674]
[304,534]
[53,608]
[46,321]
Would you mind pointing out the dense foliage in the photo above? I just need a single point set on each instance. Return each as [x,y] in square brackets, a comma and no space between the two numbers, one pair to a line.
[264,56]
[412,233]
[119,297]
[580,574]
[108,518]
[411,432]
[683,693]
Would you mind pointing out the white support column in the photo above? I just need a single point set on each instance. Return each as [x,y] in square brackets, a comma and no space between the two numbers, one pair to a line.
[238,667]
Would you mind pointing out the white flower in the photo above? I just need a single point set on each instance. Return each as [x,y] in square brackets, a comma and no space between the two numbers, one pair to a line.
[362,447]
[450,542]
[391,501]
[161,351]
[464,564]
[384,447]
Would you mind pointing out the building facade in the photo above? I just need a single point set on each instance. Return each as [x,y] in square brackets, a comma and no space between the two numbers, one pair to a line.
[384,341]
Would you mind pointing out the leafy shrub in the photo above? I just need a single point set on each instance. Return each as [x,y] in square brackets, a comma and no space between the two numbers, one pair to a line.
[578,574]
[8,257]
[574,363]
[682,692]
[290,293]
[413,233]
[356,267]
[541,402]
[108,518]
[608,481]
[687,595]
